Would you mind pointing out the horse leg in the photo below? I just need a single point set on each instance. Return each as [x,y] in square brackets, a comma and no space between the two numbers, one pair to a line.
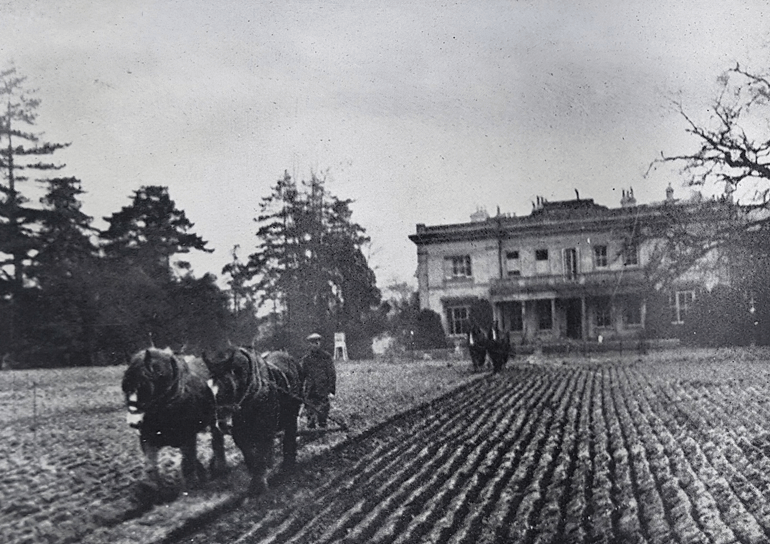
[257,454]
[150,462]
[192,470]
[148,487]
[218,464]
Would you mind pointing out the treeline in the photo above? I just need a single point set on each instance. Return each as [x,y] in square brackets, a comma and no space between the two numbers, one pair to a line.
[72,294]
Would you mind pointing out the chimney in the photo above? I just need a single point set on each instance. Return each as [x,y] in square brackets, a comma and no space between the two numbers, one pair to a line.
[479,215]
[669,193]
[627,199]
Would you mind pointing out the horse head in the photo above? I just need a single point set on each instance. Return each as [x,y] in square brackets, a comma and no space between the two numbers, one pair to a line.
[151,377]
[233,377]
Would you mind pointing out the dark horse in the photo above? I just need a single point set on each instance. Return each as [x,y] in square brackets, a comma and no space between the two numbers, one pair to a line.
[498,347]
[169,402]
[477,347]
[255,398]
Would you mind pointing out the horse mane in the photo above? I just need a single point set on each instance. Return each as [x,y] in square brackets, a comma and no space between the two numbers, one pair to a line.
[181,382]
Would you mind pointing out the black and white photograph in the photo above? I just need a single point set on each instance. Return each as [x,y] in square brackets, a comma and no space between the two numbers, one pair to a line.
[467,272]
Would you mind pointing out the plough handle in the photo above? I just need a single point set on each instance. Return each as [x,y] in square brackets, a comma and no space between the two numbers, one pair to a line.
[343,426]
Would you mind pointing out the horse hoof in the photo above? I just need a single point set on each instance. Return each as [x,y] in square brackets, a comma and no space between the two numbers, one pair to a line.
[148,493]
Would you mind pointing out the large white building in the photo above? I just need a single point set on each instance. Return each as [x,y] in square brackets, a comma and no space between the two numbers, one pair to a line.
[570,270]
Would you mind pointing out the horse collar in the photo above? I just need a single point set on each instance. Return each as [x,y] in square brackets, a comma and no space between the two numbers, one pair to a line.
[253,385]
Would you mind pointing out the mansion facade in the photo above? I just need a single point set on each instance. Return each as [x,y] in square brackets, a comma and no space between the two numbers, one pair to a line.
[571,270]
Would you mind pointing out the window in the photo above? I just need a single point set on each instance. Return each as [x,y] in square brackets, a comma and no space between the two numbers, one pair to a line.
[541,254]
[600,256]
[680,303]
[570,263]
[544,315]
[458,320]
[603,313]
[632,311]
[458,266]
[512,263]
[630,255]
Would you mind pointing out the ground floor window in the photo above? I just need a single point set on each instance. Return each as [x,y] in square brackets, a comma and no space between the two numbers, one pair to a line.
[458,319]
[680,303]
[603,312]
[632,311]
[544,314]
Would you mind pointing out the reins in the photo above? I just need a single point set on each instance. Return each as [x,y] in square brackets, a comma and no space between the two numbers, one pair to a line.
[255,382]
[257,379]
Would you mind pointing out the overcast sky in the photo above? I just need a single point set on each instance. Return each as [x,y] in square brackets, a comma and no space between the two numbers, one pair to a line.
[419,111]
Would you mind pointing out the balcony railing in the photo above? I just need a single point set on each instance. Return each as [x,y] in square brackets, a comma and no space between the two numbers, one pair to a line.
[628,279]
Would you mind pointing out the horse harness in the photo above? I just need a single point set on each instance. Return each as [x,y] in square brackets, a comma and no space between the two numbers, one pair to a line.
[256,381]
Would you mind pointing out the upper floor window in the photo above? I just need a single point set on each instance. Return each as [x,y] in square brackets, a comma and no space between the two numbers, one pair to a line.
[541,254]
[458,319]
[512,264]
[630,255]
[458,266]
[600,256]
[570,263]
[680,303]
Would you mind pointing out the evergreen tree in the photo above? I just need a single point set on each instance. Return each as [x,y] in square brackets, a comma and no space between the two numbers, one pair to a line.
[139,287]
[64,304]
[198,315]
[21,153]
[149,232]
[241,293]
[65,233]
[309,262]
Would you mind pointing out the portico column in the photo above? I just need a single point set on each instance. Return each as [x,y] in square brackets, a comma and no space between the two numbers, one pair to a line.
[554,329]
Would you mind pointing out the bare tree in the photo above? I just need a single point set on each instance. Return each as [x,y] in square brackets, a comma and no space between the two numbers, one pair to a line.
[732,160]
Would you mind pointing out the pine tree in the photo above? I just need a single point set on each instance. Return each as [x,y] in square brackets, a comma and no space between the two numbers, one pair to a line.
[62,314]
[65,234]
[21,153]
[309,262]
[141,286]
[149,232]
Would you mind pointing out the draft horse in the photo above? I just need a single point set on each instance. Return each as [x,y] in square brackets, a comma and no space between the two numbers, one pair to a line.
[498,347]
[477,347]
[169,403]
[256,397]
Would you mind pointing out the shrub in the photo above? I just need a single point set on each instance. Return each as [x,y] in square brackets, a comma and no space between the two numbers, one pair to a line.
[429,333]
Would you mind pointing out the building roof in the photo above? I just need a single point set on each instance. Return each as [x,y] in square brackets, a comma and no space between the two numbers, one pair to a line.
[546,217]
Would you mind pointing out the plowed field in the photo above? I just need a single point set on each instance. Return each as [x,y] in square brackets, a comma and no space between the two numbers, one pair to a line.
[658,449]
[612,452]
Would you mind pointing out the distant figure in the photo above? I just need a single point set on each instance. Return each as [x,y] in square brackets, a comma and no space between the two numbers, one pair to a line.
[498,347]
[320,382]
[477,347]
